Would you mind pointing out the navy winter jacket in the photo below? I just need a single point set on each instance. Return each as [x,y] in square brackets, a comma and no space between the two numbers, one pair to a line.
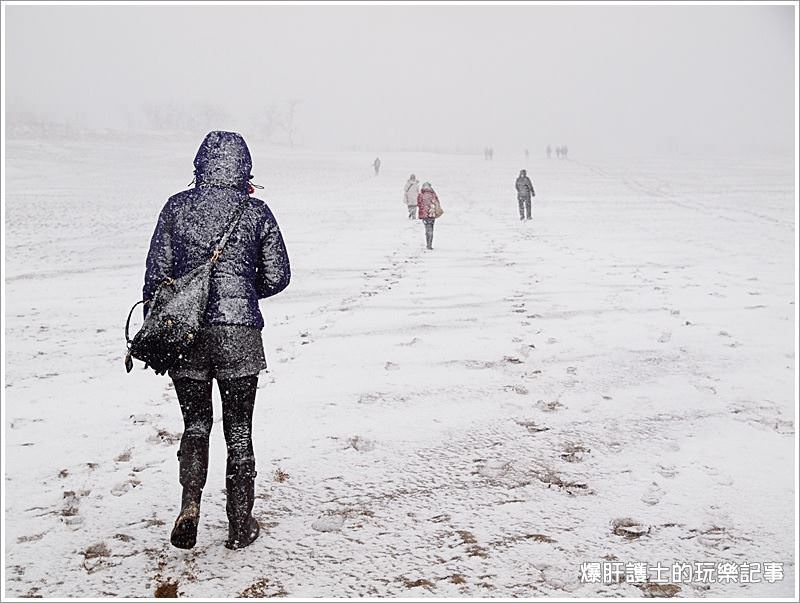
[254,263]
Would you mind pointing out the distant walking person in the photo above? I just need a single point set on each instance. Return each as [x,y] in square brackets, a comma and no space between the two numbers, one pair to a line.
[410,196]
[377,165]
[558,152]
[524,193]
[564,151]
[549,151]
[429,209]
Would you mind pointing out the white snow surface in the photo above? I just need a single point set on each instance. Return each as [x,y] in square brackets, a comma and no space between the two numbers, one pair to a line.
[467,421]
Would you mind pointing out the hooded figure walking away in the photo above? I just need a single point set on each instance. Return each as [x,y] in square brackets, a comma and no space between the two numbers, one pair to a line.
[429,209]
[254,265]
[524,193]
[410,196]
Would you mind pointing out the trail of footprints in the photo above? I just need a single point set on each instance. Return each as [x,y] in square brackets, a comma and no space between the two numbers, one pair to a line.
[374,282]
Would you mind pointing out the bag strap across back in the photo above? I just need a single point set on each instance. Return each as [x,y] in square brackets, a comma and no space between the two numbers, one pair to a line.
[234,222]
[214,257]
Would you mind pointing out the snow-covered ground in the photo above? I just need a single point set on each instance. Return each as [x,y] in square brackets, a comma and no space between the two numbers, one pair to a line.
[471,421]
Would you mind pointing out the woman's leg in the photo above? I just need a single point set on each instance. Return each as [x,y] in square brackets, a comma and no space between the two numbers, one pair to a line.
[238,400]
[429,232]
[195,399]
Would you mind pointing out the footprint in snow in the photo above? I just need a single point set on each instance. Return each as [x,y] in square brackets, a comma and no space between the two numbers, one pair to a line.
[328,523]
[629,528]
[653,494]
[574,452]
[361,444]
[123,487]
[141,419]
[549,406]
[531,426]
[667,470]
[95,557]
[70,505]
[165,437]
[714,537]
[493,470]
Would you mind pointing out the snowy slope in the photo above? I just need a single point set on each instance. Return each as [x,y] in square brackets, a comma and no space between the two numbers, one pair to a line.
[469,421]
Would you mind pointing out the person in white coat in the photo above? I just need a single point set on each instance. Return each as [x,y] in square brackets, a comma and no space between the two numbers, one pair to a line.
[410,196]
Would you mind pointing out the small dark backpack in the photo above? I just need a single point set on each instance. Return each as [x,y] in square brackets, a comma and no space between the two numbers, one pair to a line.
[176,313]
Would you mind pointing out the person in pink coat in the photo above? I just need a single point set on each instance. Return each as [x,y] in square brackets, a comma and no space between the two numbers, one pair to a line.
[429,209]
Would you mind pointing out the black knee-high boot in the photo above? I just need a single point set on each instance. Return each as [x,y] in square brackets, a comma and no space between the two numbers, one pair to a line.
[195,399]
[243,528]
[238,398]
[193,456]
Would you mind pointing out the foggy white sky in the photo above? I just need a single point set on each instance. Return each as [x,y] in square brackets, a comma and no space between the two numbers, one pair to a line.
[594,77]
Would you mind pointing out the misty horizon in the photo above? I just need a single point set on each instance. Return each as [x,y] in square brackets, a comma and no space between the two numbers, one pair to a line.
[598,78]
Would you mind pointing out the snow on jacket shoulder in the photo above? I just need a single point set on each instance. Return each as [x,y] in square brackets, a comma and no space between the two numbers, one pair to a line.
[254,263]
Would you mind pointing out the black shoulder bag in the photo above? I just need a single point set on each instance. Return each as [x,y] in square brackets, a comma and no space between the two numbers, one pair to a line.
[176,313]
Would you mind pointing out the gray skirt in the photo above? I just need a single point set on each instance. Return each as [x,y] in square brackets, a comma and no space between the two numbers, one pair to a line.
[223,352]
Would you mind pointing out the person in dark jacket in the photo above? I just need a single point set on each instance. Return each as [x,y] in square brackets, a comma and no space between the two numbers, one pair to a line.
[524,193]
[254,265]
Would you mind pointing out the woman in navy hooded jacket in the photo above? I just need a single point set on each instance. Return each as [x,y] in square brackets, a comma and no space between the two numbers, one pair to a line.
[253,265]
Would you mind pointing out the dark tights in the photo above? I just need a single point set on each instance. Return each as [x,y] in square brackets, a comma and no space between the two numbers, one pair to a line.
[238,399]
[429,231]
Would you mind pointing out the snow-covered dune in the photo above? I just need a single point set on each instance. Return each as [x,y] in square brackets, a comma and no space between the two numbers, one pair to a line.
[613,381]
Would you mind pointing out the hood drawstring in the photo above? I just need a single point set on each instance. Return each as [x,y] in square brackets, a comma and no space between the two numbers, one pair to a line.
[252,186]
